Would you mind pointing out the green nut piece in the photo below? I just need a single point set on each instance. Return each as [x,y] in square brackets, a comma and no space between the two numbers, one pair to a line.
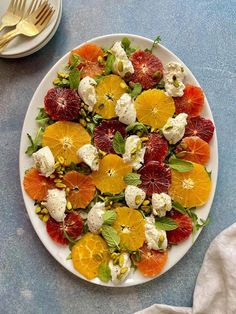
[146,202]
[37,209]
[120,66]
[121,260]
[138,199]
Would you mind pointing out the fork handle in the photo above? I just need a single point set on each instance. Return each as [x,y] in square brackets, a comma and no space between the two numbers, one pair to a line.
[2,27]
[7,38]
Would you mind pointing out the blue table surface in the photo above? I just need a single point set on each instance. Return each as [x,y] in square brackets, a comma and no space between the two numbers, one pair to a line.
[202,34]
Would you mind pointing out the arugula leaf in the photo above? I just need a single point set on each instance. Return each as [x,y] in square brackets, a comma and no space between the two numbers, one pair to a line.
[75,61]
[132,179]
[111,237]
[165,223]
[109,217]
[118,143]
[69,257]
[196,224]
[35,143]
[97,118]
[156,41]
[114,198]
[99,78]
[180,165]
[90,127]
[136,90]
[126,46]
[74,78]
[104,272]
[135,127]
[109,64]
[179,207]
[43,118]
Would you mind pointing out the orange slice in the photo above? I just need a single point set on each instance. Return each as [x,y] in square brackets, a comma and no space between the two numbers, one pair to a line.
[108,92]
[154,107]
[129,224]
[89,52]
[193,148]
[190,188]
[88,254]
[36,185]
[82,189]
[109,177]
[152,261]
[64,138]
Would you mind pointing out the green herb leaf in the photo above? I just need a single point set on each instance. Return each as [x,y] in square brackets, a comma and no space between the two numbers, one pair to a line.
[97,118]
[90,127]
[114,198]
[75,61]
[179,207]
[132,179]
[111,236]
[109,217]
[137,255]
[137,89]
[104,272]
[35,143]
[69,257]
[43,118]
[109,64]
[165,223]
[118,143]
[74,78]
[156,41]
[99,78]
[136,127]
[66,235]
[125,43]
[180,165]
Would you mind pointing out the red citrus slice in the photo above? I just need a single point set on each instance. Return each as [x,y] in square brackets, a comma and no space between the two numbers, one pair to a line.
[201,127]
[194,149]
[183,231]
[82,189]
[191,102]
[62,104]
[36,185]
[148,69]
[104,133]
[155,177]
[156,148]
[73,225]
[152,261]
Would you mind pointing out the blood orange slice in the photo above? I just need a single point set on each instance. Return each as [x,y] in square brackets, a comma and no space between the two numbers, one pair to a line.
[62,104]
[155,177]
[156,148]
[152,261]
[36,185]
[193,148]
[73,225]
[191,102]
[148,69]
[201,127]
[104,134]
[82,188]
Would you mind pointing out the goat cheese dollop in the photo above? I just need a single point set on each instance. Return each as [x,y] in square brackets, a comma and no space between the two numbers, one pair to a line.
[174,128]
[122,65]
[173,78]
[87,92]
[125,109]
[44,161]
[95,217]
[161,203]
[118,273]
[134,152]
[156,239]
[89,154]
[56,204]
[134,196]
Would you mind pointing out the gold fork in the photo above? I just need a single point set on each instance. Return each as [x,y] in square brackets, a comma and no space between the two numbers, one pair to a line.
[14,13]
[30,26]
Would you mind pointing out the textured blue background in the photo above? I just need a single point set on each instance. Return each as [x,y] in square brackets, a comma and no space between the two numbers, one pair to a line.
[202,34]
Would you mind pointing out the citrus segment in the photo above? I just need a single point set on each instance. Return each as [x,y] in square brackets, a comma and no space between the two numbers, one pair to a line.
[64,138]
[82,189]
[193,149]
[36,185]
[154,108]
[108,92]
[88,254]
[152,262]
[109,177]
[190,188]
[129,224]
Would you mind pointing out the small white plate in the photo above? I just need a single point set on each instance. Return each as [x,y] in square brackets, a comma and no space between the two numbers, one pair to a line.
[22,45]
[60,252]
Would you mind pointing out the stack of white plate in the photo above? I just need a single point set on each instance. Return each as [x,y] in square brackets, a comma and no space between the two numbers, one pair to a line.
[22,46]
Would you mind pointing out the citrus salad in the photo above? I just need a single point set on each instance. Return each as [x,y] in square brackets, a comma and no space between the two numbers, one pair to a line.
[119,160]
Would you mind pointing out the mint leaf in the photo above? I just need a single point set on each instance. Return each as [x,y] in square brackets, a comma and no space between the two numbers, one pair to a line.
[104,272]
[132,179]
[180,165]
[136,90]
[165,223]
[109,64]
[109,217]
[125,43]
[118,143]
[90,127]
[136,127]
[179,207]
[74,78]
[111,236]
[35,143]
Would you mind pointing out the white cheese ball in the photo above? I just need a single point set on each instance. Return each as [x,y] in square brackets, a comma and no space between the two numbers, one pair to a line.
[125,109]
[44,161]
[134,196]
[56,204]
[122,65]
[87,92]
[174,128]
[161,203]
[95,217]
[116,276]
[134,152]
[173,78]
[156,239]
[89,154]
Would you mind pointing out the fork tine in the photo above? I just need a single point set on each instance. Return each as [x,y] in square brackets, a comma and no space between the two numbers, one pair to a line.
[18,6]
[42,16]
[37,12]
[43,12]
[46,20]
[10,5]
[22,9]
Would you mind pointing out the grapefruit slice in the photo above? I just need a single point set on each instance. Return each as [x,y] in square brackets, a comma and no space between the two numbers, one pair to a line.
[156,148]
[201,127]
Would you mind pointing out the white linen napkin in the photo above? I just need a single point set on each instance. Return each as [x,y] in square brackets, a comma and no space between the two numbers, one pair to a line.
[215,291]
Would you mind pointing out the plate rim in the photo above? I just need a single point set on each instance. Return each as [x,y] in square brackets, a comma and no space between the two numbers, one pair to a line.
[21,150]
